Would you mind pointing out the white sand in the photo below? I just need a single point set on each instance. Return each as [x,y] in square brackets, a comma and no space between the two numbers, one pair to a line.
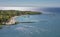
[12,21]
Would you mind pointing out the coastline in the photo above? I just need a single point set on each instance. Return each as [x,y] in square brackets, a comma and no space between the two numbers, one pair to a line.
[11,20]
[8,16]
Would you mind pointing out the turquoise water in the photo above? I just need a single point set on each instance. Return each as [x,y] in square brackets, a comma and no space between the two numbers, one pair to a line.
[46,25]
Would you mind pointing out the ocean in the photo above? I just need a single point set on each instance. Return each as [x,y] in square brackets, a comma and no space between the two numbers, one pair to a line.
[46,24]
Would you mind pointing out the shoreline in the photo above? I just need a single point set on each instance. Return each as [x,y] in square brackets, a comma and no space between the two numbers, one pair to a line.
[8,16]
[11,20]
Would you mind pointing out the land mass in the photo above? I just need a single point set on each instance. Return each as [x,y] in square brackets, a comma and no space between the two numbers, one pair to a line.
[6,15]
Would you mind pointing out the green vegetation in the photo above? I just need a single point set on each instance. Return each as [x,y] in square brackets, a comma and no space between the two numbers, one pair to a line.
[5,15]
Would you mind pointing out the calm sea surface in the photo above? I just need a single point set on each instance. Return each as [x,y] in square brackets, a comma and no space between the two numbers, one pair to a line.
[46,25]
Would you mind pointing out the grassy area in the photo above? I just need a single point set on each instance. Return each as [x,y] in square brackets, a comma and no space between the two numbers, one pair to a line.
[5,15]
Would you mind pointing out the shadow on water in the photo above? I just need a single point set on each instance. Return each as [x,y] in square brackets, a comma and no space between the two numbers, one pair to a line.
[26,22]
[0,26]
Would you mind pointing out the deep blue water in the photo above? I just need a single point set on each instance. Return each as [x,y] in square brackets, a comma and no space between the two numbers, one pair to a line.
[54,10]
[47,25]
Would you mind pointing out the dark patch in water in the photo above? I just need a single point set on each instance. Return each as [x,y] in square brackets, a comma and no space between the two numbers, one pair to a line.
[54,10]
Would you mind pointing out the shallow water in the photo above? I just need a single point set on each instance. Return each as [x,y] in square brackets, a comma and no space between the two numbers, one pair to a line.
[46,25]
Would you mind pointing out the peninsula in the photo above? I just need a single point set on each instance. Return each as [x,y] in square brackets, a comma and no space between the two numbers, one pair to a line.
[6,16]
